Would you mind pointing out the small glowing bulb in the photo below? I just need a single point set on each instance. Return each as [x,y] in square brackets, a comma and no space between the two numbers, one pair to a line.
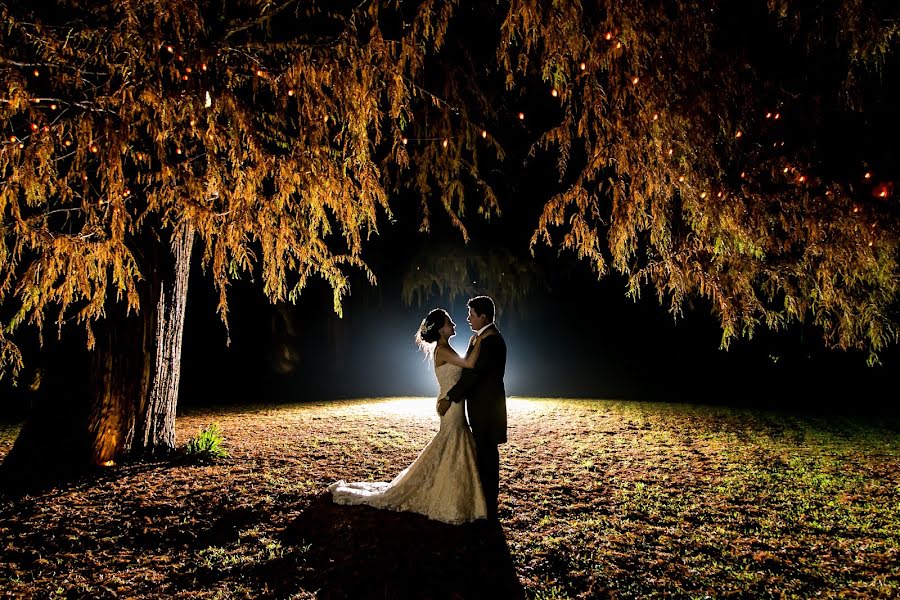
[703,195]
[207,102]
[326,118]
[635,80]
[180,57]
[554,93]
[671,151]
[13,139]
[883,194]
[785,170]
[608,36]
[618,45]
[203,66]
[855,209]
[521,116]
[483,134]
[290,92]
[739,134]
[655,116]
[777,115]
[583,66]
[404,140]
[94,148]
[193,122]
[109,463]
[84,177]
[868,176]
[36,73]
[184,77]
[170,49]
[177,150]
[681,179]
[34,127]
[802,178]
[870,244]
[52,107]
[743,174]
[719,195]
[67,143]
[768,115]
[21,145]
[444,143]
[259,73]
[127,192]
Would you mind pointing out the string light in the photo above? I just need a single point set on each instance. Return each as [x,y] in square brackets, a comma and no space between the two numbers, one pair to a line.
[618,45]
[655,116]
[13,139]
[203,66]
[521,116]
[37,73]
[768,115]
[94,148]
[785,170]
[445,143]
[34,127]
[671,151]
[193,122]
[681,179]
[554,93]
[635,80]
[802,178]
[67,143]
[703,195]
[259,73]
[170,49]
[290,92]
[404,141]
[608,36]
[777,115]
[177,150]
[868,176]
[52,107]
[739,134]
[188,70]
[719,195]
[583,66]
[483,134]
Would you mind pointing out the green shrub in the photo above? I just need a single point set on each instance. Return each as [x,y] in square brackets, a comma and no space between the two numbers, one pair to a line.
[207,443]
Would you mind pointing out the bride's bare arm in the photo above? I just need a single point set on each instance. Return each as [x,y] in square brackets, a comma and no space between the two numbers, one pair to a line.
[447,355]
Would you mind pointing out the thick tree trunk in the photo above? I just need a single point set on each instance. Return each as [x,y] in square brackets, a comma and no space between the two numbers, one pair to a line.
[129,404]
[153,430]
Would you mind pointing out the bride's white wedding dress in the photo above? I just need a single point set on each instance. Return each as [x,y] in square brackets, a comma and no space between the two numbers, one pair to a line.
[442,483]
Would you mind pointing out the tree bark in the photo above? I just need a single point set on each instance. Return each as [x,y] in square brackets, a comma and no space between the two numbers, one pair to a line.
[152,432]
[128,406]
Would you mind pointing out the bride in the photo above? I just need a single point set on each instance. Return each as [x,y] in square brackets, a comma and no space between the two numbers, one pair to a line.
[442,483]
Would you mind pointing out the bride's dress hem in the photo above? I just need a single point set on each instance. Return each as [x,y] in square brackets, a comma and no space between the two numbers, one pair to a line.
[441,484]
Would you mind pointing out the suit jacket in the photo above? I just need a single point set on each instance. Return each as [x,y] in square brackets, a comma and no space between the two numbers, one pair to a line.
[482,389]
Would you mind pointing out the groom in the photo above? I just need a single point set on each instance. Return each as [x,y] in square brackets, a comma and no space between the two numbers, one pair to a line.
[485,397]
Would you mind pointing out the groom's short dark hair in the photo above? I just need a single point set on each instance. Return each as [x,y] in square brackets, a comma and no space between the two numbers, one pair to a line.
[482,305]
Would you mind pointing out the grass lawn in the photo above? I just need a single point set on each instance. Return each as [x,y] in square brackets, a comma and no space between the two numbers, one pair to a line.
[598,499]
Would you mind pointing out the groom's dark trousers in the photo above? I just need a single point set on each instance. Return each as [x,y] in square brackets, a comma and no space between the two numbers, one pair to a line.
[482,389]
[487,456]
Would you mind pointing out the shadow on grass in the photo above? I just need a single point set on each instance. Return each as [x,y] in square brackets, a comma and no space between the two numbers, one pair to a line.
[333,551]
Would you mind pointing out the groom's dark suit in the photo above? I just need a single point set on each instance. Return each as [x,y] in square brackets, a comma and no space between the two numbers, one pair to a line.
[482,389]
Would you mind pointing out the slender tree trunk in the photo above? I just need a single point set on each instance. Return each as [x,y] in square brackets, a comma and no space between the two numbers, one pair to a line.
[153,430]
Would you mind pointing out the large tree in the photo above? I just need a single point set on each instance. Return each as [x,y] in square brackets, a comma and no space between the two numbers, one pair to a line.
[735,152]
[133,128]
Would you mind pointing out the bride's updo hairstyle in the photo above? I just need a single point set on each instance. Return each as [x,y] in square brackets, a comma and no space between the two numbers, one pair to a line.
[429,330]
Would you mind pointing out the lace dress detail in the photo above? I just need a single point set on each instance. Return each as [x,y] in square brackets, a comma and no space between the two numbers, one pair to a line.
[442,483]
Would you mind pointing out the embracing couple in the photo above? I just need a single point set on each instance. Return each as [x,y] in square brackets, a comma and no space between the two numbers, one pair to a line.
[456,477]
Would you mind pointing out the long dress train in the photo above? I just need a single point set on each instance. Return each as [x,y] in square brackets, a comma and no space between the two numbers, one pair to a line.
[442,483]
